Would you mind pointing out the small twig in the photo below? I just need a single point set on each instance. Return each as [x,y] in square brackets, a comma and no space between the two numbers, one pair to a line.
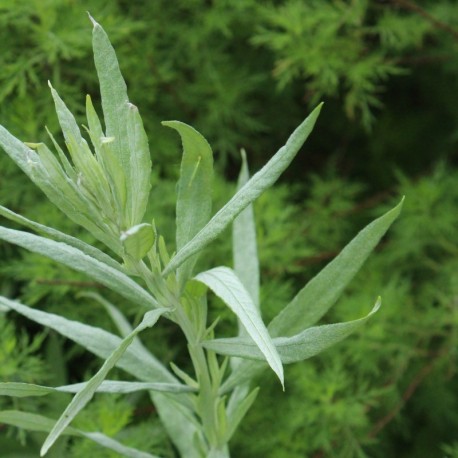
[145,411]
[370,202]
[424,60]
[317,258]
[408,393]
[412,6]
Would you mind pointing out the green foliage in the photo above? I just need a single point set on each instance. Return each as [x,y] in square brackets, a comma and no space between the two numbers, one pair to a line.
[234,60]
[225,58]
[18,359]
[112,416]
[44,39]
[109,415]
[348,48]
[300,34]
[451,450]
[105,190]
[390,391]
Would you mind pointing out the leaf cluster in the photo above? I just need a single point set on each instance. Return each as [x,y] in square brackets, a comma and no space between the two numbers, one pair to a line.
[176,42]
[390,391]
[105,189]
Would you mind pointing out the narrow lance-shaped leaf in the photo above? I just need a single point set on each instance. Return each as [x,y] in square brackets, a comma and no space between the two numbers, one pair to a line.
[244,249]
[301,346]
[68,167]
[140,166]
[24,157]
[61,237]
[235,414]
[67,121]
[34,422]
[113,91]
[194,191]
[83,397]
[31,164]
[56,173]
[75,195]
[121,322]
[328,284]
[246,263]
[106,157]
[143,366]
[73,205]
[262,180]
[21,390]
[95,127]
[77,260]
[116,386]
[315,299]
[226,285]
[179,422]
[93,183]
[85,162]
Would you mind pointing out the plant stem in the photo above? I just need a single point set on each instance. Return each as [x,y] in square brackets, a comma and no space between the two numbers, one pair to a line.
[207,397]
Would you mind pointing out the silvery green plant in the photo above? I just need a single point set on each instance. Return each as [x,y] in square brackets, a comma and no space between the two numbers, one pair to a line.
[105,188]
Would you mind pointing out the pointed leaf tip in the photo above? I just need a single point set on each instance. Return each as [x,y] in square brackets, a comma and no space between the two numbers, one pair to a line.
[94,22]
[258,183]
[83,397]
[169,123]
[377,305]
[228,287]
[243,154]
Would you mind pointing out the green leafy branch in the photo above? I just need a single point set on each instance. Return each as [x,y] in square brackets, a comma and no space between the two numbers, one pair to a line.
[105,189]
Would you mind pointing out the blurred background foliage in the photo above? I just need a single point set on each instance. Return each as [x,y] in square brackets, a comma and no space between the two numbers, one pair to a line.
[245,74]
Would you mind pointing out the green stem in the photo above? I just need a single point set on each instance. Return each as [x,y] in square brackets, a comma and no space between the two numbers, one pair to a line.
[221,452]
[207,397]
